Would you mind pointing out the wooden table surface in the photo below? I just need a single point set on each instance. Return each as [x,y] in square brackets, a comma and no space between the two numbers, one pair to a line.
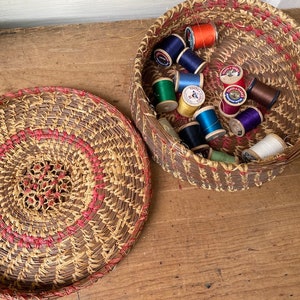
[196,244]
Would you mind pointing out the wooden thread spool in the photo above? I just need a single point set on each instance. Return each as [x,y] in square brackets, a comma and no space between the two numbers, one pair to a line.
[192,136]
[222,157]
[245,121]
[233,97]
[183,79]
[232,75]
[262,93]
[269,146]
[201,35]
[209,122]
[168,128]
[167,51]
[191,99]
[164,92]
[191,61]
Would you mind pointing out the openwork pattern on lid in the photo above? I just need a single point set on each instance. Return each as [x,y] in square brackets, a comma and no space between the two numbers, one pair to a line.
[44,185]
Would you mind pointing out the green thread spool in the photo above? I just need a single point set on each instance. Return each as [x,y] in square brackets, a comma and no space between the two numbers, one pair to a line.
[164,92]
[222,157]
[168,128]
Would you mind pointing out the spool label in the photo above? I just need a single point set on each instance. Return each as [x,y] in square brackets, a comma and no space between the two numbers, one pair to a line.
[161,58]
[235,94]
[231,71]
[231,74]
[193,95]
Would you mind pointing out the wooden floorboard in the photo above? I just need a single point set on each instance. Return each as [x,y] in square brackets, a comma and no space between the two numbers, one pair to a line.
[196,244]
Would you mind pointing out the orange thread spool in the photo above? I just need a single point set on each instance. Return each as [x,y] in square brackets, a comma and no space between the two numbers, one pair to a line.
[201,35]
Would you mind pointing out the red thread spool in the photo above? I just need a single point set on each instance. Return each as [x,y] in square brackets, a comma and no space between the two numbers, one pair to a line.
[201,35]
[233,97]
[232,75]
[262,93]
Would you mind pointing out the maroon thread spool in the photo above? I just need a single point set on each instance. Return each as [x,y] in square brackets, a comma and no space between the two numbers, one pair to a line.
[262,93]
[233,98]
[232,75]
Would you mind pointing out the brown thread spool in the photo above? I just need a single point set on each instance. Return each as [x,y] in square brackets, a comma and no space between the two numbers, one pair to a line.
[262,93]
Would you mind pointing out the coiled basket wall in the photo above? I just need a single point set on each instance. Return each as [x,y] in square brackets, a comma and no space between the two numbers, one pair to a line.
[261,39]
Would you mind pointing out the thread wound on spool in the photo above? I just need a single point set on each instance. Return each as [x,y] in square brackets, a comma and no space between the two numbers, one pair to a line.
[191,99]
[245,121]
[262,93]
[191,61]
[192,136]
[269,146]
[167,50]
[164,93]
[209,122]
[201,35]
[168,128]
[232,75]
[233,97]
[183,79]
[222,156]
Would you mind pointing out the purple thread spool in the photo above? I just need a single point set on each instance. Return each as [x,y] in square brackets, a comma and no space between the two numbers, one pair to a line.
[191,61]
[245,121]
[167,51]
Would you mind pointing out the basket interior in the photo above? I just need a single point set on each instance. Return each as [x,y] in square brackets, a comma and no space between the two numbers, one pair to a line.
[255,36]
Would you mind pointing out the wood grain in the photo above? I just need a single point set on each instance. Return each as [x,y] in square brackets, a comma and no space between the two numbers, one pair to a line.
[196,244]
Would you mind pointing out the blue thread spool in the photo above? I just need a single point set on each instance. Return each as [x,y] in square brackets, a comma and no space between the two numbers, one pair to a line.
[191,61]
[209,122]
[182,80]
[245,121]
[193,137]
[167,51]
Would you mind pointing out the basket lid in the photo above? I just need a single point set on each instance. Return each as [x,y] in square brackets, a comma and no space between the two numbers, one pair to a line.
[74,193]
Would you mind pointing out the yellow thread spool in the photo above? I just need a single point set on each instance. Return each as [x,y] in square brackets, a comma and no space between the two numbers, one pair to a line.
[191,99]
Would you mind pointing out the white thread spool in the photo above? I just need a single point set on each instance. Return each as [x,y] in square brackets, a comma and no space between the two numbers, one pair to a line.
[269,146]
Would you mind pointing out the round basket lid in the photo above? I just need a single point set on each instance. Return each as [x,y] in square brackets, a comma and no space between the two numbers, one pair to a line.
[74,190]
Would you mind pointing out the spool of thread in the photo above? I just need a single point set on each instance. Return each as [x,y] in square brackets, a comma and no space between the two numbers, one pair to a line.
[168,128]
[262,93]
[182,80]
[164,92]
[209,122]
[245,121]
[192,136]
[232,75]
[222,156]
[166,52]
[191,61]
[269,146]
[191,99]
[233,97]
[201,35]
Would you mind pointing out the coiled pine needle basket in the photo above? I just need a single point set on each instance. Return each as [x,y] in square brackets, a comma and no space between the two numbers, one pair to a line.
[261,39]
[74,191]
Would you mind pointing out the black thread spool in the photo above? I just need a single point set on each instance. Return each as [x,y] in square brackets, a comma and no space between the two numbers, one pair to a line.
[262,93]
[192,136]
